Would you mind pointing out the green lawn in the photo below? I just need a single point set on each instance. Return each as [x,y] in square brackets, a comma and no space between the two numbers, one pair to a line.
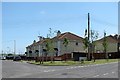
[68,63]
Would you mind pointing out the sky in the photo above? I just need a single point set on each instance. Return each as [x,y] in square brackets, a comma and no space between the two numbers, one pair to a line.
[24,21]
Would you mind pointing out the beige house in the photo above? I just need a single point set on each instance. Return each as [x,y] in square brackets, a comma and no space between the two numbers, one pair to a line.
[112,44]
[75,44]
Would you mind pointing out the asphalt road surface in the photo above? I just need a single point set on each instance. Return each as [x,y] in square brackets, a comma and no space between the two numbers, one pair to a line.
[13,69]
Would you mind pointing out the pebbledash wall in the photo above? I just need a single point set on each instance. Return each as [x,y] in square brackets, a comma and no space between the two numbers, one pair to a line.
[112,45]
[73,46]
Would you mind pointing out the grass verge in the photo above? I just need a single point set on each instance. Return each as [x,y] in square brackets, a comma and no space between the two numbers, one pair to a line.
[68,63]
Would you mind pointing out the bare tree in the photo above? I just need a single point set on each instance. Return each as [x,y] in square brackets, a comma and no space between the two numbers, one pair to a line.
[47,45]
[49,42]
[94,36]
[86,41]
[105,45]
[65,43]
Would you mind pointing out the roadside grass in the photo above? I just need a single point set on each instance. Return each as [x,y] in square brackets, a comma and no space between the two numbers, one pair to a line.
[68,63]
[101,61]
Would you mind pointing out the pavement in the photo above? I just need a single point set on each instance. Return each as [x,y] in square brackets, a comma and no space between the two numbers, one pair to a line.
[14,69]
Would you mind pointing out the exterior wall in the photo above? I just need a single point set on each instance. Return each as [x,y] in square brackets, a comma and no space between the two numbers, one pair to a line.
[112,47]
[99,48]
[28,54]
[118,47]
[27,50]
[40,48]
[71,47]
[33,49]
[58,46]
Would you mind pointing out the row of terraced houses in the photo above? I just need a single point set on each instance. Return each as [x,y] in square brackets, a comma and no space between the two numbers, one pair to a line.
[75,48]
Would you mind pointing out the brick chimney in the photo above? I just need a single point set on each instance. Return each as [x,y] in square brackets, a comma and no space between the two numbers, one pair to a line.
[58,33]
[40,38]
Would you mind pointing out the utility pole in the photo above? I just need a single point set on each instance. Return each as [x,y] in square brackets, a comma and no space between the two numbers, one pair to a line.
[88,36]
[14,47]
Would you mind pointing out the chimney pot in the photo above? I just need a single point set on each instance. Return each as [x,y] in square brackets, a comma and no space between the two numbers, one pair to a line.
[58,33]
[40,38]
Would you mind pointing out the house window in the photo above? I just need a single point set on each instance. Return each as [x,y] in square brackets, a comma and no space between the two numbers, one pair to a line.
[76,43]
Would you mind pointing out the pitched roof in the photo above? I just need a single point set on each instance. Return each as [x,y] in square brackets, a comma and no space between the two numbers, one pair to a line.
[117,36]
[39,42]
[109,38]
[69,36]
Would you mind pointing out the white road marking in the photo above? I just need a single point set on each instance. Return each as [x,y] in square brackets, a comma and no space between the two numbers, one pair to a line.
[46,71]
[75,67]
[71,67]
[52,70]
[79,66]
[113,72]
[96,76]
[85,66]
[105,74]
[67,68]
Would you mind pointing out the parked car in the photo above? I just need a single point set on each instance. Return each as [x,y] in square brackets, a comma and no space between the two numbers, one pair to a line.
[17,58]
[9,57]
[3,58]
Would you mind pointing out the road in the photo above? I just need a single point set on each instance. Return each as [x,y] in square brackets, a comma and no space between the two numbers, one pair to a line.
[12,69]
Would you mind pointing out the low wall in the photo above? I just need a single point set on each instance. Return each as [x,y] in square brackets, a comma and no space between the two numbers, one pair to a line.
[111,55]
[67,56]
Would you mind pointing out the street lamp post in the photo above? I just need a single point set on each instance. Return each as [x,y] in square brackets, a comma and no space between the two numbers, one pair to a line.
[2,54]
[14,48]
